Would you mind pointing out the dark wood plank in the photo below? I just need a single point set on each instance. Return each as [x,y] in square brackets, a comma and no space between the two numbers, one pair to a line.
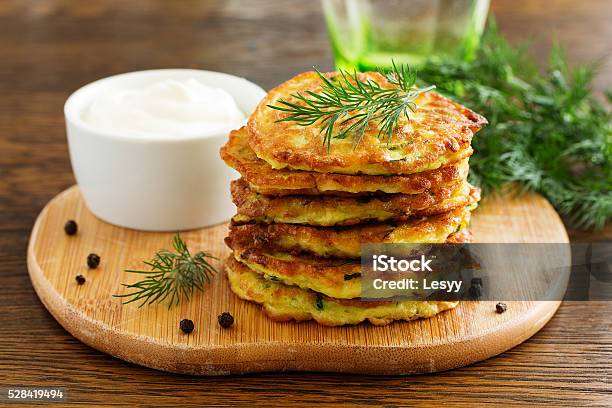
[48,49]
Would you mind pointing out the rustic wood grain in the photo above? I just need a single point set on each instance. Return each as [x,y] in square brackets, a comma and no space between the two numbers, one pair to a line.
[150,336]
[48,49]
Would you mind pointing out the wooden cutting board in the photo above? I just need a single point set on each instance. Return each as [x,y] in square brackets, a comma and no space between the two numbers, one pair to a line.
[150,336]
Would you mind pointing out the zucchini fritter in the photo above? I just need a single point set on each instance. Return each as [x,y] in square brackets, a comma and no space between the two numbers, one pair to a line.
[339,278]
[331,210]
[263,179]
[282,302]
[346,242]
[437,133]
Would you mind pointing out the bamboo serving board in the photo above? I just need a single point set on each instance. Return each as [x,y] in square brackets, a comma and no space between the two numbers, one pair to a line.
[150,336]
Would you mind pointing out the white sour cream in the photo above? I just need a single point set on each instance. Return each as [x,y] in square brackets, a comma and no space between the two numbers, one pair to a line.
[165,109]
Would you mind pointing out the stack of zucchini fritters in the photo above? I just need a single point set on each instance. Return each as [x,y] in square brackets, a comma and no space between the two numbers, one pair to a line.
[304,210]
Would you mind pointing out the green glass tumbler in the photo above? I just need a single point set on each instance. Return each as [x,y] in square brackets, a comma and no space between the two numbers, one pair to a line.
[369,34]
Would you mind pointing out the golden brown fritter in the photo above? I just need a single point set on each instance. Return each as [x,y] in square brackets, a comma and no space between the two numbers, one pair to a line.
[263,179]
[331,210]
[437,133]
[323,275]
[344,242]
[339,278]
[281,302]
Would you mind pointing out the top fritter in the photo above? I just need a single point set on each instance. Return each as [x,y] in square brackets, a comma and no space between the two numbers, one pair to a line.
[438,132]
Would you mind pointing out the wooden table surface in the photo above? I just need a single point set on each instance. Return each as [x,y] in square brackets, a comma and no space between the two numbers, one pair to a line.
[50,48]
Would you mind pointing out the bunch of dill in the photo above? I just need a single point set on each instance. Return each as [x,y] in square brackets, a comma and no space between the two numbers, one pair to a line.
[547,132]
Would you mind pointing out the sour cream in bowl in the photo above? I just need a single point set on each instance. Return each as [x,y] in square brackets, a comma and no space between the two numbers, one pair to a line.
[144,146]
[168,108]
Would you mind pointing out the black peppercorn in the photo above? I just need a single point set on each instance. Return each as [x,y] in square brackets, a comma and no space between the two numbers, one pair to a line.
[225,320]
[71,227]
[80,279]
[475,291]
[186,326]
[93,260]
[501,307]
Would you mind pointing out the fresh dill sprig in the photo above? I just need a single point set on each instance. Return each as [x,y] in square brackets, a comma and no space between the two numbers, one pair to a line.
[547,131]
[173,274]
[347,100]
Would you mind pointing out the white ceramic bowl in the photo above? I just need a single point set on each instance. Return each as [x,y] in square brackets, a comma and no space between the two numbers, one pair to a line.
[153,184]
